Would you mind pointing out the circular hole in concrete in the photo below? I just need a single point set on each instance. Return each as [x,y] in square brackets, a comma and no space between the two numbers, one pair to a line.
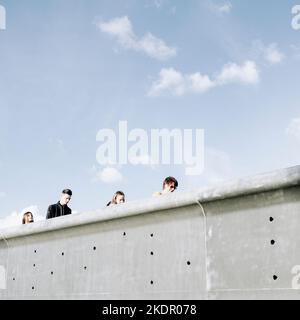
[32,288]
[124,234]
[152,253]
[62,253]
[188,263]
[151,235]
[275,277]
[151,282]
[34,251]
[271,219]
[94,248]
[14,279]
[272,242]
[34,265]
[52,273]
[85,267]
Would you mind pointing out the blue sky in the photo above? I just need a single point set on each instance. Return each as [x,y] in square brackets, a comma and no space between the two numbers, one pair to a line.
[71,68]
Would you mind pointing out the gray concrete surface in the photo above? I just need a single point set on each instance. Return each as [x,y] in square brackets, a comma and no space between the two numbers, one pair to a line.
[236,241]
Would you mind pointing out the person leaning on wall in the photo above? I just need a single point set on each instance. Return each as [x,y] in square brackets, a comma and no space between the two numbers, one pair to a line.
[27,218]
[61,207]
[170,184]
[119,197]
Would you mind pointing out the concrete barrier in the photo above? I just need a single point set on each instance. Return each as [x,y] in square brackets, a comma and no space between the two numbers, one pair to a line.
[236,241]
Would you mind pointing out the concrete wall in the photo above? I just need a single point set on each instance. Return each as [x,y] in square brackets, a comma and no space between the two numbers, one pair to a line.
[236,241]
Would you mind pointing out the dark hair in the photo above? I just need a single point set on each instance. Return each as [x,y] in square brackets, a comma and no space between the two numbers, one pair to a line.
[113,201]
[24,215]
[67,191]
[169,180]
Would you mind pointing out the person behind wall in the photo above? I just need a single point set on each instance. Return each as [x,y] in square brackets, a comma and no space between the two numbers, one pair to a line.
[170,184]
[119,197]
[61,207]
[27,218]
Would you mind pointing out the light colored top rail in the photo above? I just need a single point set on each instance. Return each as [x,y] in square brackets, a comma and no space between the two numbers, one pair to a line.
[280,179]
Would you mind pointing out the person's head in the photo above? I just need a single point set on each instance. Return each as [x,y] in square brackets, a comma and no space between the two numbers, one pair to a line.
[66,196]
[119,197]
[27,218]
[170,184]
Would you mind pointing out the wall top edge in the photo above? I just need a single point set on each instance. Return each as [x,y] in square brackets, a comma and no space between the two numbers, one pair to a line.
[279,179]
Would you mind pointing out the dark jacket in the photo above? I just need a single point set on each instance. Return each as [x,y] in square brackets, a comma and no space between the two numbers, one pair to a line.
[57,210]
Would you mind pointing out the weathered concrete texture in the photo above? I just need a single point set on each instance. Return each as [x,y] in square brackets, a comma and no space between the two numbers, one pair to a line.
[236,241]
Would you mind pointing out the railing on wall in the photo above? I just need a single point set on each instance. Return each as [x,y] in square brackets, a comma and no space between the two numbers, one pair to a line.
[238,240]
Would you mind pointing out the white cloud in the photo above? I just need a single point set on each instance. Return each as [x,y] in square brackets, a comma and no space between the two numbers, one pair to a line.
[200,83]
[155,47]
[270,53]
[121,29]
[109,175]
[247,73]
[293,129]
[224,8]
[174,82]
[169,80]
[15,218]
[3,194]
